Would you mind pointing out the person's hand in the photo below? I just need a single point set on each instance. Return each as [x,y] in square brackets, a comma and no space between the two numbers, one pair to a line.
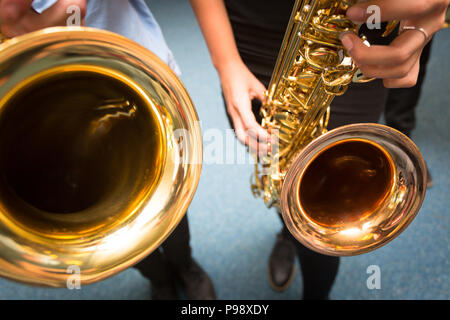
[398,63]
[17,17]
[240,87]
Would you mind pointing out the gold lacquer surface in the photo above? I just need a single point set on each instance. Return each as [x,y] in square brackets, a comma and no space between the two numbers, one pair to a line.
[68,169]
[345,183]
[353,189]
[100,155]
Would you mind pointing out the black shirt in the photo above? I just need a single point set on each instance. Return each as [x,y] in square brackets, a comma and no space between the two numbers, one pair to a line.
[259,28]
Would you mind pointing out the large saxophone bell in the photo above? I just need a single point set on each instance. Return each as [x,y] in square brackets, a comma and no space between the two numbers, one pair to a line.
[100,154]
[353,189]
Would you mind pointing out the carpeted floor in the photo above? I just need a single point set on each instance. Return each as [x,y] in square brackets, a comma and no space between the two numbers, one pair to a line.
[233,233]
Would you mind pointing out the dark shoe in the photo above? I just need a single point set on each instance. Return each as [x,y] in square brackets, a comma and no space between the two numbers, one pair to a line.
[281,267]
[196,283]
[429,179]
[166,291]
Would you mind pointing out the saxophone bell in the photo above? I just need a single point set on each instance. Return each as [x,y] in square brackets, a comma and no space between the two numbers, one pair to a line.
[353,189]
[92,175]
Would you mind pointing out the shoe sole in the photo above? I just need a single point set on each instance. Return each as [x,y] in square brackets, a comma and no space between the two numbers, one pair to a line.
[286,285]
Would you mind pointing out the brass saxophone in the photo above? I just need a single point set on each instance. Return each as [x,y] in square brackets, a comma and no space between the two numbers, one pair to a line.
[342,192]
[101,155]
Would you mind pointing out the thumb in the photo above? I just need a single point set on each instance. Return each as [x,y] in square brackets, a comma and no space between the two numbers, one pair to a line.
[350,41]
[388,10]
[257,90]
[56,15]
[12,10]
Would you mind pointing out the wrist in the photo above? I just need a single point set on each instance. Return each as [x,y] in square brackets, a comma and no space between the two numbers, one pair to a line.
[225,65]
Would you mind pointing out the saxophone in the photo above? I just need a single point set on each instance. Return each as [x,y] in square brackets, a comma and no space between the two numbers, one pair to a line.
[343,192]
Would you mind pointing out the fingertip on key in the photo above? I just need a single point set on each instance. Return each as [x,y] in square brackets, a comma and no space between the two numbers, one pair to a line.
[356,14]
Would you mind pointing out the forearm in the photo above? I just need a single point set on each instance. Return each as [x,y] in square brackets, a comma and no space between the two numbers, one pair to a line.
[216,28]
[239,85]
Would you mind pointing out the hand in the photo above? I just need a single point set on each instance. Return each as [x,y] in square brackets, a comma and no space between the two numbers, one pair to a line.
[17,17]
[398,63]
[240,87]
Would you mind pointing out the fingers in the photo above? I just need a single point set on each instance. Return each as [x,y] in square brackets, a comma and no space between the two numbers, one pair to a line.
[12,10]
[258,92]
[247,113]
[248,131]
[239,88]
[394,10]
[398,63]
[386,62]
[57,14]
[407,81]
[398,52]
[251,125]
[28,20]
[390,73]
[245,138]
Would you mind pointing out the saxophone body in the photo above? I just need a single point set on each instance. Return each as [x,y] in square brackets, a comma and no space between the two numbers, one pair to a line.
[311,69]
[342,192]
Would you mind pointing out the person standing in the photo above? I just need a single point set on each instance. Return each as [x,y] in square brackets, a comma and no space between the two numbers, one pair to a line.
[244,37]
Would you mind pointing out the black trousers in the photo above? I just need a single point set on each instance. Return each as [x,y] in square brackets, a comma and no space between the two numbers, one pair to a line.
[174,253]
[361,103]
[402,102]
